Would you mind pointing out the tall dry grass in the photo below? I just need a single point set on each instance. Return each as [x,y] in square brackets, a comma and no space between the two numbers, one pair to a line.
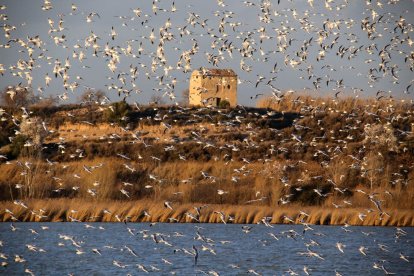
[150,211]
[303,102]
[257,183]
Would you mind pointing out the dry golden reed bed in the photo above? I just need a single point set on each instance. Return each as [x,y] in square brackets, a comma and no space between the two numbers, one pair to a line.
[66,210]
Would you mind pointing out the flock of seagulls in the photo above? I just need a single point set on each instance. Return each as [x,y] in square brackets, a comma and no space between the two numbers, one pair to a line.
[374,48]
[303,41]
[150,248]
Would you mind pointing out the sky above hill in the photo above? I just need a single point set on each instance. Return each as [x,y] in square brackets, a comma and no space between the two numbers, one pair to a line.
[140,49]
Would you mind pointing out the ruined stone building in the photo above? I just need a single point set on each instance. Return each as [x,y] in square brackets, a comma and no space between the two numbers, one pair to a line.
[211,86]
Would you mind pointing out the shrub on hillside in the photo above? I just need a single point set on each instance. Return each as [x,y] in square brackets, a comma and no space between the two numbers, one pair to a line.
[224,104]
[17,145]
[6,130]
[118,113]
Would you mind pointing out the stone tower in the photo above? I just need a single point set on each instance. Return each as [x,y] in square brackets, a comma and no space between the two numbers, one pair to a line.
[211,86]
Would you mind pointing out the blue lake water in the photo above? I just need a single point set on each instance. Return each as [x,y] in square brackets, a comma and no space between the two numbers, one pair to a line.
[167,249]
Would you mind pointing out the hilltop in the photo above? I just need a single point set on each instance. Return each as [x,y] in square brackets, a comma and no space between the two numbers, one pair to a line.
[352,158]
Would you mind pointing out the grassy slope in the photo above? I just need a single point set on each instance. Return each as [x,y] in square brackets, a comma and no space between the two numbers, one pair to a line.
[251,154]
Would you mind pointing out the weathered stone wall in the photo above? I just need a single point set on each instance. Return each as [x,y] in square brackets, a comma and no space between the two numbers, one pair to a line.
[195,89]
[210,90]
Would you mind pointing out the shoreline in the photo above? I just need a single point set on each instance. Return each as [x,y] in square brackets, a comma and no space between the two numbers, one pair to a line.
[76,210]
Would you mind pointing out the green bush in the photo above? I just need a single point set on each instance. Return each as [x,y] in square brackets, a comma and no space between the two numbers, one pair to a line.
[6,130]
[224,104]
[17,146]
[118,113]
